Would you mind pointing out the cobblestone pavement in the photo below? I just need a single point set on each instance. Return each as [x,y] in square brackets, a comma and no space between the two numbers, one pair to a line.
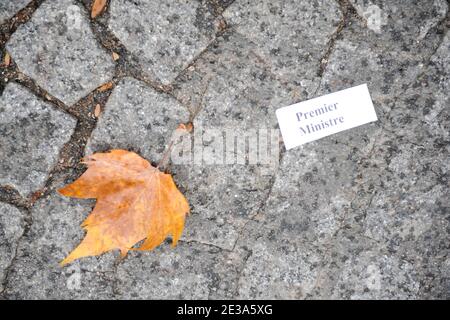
[361,214]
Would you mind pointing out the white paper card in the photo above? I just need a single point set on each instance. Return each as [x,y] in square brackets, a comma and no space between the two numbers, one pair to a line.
[320,117]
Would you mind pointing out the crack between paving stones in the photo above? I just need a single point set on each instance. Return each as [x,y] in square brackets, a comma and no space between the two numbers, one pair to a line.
[223,28]
[11,196]
[69,158]
[70,154]
[194,111]
[249,253]
[259,225]
[443,24]
[346,10]
[325,261]
[260,209]
[8,27]
[219,9]
[244,264]
[207,244]
[18,77]
[202,52]
[428,63]
[127,65]
[241,271]
[259,57]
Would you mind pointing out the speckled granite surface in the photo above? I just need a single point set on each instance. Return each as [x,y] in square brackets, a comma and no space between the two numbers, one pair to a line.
[362,214]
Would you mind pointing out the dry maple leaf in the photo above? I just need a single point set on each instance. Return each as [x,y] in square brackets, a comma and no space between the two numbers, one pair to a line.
[135,201]
[97,8]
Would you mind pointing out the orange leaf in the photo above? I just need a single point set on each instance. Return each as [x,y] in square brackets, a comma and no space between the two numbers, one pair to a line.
[135,201]
[97,8]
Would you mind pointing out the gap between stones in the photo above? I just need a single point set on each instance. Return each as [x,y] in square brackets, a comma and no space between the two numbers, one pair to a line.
[28,218]
[347,10]
[21,17]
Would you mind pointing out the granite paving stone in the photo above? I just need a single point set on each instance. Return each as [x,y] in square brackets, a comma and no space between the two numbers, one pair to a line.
[279,270]
[190,271]
[390,59]
[165,35]
[9,8]
[33,133]
[376,275]
[361,214]
[136,117]
[291,37]
[58,50]
[12,224]
[54,233]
